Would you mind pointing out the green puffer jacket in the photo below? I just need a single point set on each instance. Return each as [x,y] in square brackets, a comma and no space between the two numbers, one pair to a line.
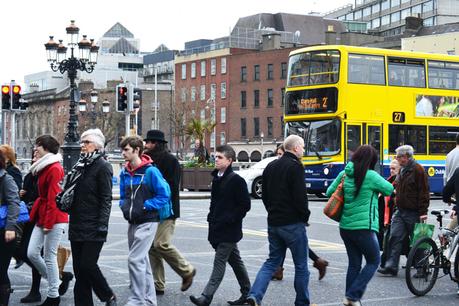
[361,212]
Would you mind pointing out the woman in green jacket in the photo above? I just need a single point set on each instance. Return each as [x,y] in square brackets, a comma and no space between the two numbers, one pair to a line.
[359,222]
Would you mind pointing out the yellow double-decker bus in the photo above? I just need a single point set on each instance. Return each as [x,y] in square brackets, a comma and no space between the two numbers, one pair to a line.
[339,97]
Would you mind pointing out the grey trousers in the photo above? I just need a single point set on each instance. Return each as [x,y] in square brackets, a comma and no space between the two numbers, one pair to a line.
[140,238]
[227,252]
[402,225]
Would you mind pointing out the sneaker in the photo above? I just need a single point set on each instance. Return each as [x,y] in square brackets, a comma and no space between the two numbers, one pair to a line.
[252,301]
[348,302]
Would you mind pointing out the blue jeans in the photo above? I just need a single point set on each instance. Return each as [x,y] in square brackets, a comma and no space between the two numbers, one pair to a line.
[293,237]
[360,243]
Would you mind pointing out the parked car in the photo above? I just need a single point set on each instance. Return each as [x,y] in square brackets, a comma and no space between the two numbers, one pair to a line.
[252,176]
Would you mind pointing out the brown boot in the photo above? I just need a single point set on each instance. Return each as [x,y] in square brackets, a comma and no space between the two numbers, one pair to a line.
[321,265]
[279,274]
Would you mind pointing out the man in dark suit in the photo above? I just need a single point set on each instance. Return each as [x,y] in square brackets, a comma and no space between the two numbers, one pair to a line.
[162,248]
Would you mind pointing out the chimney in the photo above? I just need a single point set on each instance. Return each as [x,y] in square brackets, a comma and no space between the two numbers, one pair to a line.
[330,35]
[270,41]
[413,23]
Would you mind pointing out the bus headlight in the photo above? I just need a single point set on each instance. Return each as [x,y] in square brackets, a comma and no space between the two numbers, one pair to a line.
[326,171]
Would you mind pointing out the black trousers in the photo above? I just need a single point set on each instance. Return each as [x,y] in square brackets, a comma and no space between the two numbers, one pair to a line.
[88,276]
[6,253]
[21,253]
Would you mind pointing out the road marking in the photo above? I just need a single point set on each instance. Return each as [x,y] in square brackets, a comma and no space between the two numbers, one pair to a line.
[313,243]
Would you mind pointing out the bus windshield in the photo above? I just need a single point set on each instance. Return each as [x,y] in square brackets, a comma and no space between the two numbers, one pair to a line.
[321,138]
[314,68]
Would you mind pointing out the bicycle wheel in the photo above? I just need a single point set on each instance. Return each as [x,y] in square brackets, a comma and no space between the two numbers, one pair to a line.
[422,266]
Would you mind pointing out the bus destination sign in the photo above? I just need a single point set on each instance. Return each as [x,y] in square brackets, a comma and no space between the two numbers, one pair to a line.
[312,101]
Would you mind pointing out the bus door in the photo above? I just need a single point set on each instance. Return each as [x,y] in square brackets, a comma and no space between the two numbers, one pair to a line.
[374,138]
[353,139]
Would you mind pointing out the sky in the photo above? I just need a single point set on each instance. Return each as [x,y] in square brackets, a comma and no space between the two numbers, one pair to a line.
[28,24]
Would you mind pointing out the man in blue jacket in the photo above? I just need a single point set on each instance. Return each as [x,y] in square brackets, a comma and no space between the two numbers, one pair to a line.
[144,198]
[229,203]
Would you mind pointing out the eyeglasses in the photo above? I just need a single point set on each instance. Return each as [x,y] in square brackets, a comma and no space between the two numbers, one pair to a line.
[85,142]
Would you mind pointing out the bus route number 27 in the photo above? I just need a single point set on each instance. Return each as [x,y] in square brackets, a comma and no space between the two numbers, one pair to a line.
[398,117]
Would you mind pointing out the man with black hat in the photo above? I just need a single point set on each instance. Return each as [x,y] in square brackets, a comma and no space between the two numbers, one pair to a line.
[162,248]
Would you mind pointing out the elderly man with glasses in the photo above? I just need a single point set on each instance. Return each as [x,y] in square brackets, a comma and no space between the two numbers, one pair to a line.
[412,200]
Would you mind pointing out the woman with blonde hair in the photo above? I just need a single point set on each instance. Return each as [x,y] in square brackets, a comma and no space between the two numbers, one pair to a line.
[11,165]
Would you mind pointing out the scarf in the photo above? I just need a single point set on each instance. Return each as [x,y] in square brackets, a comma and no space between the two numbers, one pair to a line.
[64,199]
[45,161]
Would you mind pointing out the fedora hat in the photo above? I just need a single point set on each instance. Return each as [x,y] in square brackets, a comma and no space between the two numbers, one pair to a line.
[155,135]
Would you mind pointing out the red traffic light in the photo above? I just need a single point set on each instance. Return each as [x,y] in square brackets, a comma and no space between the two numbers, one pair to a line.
[5,89]
[16,89]
[122,90]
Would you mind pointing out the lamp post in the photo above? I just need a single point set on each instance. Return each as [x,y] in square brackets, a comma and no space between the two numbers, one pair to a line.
[57,57]
[91,108]
[262,135]
[214,118]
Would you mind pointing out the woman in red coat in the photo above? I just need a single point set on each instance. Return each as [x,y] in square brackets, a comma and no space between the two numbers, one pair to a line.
[50,222]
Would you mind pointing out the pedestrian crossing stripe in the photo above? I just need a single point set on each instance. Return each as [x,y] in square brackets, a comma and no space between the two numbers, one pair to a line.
[313,243]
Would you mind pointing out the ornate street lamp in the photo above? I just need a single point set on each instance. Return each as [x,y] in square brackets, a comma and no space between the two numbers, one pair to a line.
[57,57]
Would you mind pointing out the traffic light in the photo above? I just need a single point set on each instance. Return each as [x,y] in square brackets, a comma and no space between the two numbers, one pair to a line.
[121,98]
[24,105]
[137,98]
[6,97]
[16,103]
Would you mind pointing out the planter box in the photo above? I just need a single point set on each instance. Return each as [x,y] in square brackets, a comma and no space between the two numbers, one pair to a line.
[196,178]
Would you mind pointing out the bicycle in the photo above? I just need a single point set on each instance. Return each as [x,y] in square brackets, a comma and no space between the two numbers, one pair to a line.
[426,258]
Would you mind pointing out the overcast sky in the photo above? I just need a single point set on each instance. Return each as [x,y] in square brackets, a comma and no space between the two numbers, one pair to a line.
[27,24]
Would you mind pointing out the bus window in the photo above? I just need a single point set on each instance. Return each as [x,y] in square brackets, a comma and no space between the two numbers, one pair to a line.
[442,139]
[406,72]
[312,68]
[443,75]
[413,135]
[366,69]
[321,138]
[353,139]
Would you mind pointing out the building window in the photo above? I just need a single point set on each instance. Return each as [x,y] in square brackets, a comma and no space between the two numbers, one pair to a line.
[375,8]
[193,93]
[350,17]
[375,23]
[405,13]
[203,68]
[223,90]
[367,11]
[243,127]
[256,98]
[415,10]
[213,91]
[203,114]
[283,70]
[243,74]
[282,96]
[395,3]
[256,72]
[270,98]
[213,66]
[395,17]
[212,140]
[270,72]
[183,71]
[243,99]
[203,93]
[385,20]
[183,94]
[427,7]
[270,126]
[358,15]
[223,115]
[222,138]
[256,126]
[223,65]
[428,22]
[385,5]
[193,70]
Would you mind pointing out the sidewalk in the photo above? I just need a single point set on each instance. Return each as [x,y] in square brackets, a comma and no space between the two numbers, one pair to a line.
[184,195]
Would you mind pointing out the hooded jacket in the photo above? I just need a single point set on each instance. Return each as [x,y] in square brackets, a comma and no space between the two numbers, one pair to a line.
[143,191]
[361,212]
[9,195]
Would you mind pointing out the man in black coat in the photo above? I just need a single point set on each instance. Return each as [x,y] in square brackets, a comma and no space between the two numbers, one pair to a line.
[162,248]
[230,201]
[285,199]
